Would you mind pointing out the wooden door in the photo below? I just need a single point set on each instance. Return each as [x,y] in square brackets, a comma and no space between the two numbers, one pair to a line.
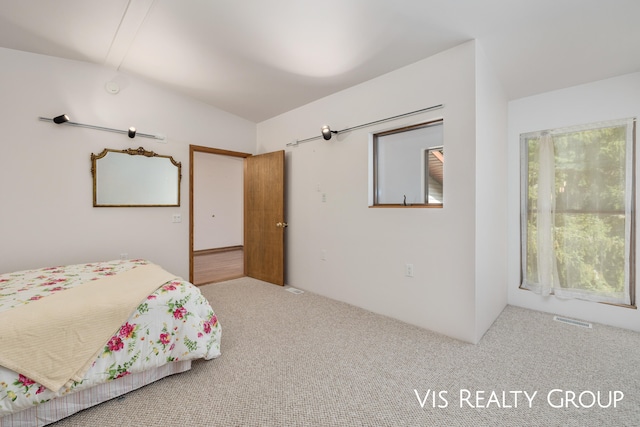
[264,217]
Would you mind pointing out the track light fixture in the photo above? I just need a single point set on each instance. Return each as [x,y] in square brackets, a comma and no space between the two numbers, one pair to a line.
[131,132]
[63,118]
[326,132]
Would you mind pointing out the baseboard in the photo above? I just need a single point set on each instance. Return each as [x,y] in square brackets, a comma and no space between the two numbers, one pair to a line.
[218,250]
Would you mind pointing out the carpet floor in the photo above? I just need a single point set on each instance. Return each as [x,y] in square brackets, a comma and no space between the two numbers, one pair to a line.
[305,360]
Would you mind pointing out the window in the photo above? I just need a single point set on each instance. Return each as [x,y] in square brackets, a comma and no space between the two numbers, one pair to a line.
[408,166]
[577,212]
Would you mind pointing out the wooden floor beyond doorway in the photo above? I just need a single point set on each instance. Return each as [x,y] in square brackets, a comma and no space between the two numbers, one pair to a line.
[217,265]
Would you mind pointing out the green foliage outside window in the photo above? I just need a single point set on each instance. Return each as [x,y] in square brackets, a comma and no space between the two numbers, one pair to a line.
[589,223]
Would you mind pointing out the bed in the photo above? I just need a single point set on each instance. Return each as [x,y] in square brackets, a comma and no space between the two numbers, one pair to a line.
[42,379]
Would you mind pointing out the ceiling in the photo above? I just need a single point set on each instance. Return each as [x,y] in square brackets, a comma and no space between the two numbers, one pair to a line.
[260,58]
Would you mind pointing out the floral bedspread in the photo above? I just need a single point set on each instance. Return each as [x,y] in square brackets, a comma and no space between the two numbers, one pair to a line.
[175,323]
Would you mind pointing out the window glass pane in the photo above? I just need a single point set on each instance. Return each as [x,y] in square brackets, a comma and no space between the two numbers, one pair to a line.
[587,255]
[435,175]
[409,165]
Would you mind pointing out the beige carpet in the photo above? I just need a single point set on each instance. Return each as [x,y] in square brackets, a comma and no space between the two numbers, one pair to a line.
[305,360]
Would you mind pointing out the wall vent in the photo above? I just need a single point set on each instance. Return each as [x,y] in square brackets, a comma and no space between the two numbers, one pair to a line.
[573,322]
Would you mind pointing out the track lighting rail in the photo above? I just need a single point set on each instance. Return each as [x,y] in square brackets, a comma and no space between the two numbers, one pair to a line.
[326,131]
[131,132]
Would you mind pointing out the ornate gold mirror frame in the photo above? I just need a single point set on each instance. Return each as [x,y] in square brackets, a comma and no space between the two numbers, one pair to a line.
[135,178]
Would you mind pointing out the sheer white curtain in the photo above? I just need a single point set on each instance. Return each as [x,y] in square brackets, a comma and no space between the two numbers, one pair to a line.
[546,207]
[577,211]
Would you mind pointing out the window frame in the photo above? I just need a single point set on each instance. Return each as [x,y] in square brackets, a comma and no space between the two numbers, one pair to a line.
[374,197]
[630,197]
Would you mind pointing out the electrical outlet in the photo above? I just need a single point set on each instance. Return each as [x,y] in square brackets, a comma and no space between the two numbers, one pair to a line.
[408,270]
[177,218]
[324,197]
[124,255]
[323,255]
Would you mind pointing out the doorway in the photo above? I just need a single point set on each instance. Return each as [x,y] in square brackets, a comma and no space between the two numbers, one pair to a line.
[216,219]
[262,217]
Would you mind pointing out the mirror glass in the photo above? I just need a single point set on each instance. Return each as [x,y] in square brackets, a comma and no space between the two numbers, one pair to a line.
[135,177]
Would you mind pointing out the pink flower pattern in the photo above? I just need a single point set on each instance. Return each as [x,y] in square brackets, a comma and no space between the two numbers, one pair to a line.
[127,330]
[25,381]
[115,344]
[170,287]
[165,338]
[210,324]
[179,312]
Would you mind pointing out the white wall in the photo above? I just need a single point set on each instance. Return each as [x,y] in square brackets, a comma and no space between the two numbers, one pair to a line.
[367,248]
[46,214]
[491,195]
[218,191]
[613,98]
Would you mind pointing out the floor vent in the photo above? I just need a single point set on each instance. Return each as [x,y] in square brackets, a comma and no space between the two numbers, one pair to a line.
[294,291]
[573,322]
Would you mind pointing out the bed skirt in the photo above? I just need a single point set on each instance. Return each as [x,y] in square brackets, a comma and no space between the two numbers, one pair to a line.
[61,407]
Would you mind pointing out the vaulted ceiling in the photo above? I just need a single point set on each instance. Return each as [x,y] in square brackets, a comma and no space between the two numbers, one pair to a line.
[260,58]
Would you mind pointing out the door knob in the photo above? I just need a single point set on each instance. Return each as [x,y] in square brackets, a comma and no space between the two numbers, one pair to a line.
[282,225]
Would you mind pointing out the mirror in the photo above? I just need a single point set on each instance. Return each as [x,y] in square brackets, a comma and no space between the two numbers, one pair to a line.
[135,177]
